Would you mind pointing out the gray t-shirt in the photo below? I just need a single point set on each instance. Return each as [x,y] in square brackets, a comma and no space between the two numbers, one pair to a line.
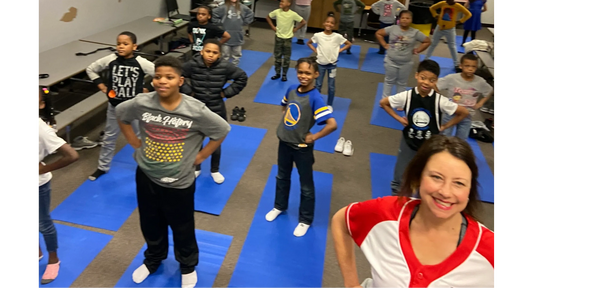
[402,43]
[171,139]
[464,93]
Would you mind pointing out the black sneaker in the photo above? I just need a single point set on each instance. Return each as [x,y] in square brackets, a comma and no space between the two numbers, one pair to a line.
[96,174]
[277,76]
[381,52]
[248,33]
[489,123]
[348,51]
[241,115]
[300,42]
[284,78]
[235,114]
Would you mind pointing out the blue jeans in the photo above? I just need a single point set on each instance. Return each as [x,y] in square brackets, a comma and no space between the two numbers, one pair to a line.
[304,159]
[462,128]
[330,69]
[46,225]
[450,35]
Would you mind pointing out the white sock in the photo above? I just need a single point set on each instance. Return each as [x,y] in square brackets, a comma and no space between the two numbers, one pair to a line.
[273,214]
[197,173]
[301,229]
[189,280]
[140,274]
[217,177]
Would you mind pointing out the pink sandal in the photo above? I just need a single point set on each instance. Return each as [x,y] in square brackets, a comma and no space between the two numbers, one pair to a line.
[51,273]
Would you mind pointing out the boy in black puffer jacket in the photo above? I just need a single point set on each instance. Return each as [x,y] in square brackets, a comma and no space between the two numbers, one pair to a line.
[207,75]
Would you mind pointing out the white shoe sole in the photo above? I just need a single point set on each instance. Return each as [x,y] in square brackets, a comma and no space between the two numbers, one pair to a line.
[84,147]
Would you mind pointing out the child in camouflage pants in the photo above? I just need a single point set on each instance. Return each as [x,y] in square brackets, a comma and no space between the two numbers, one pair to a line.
[283,39]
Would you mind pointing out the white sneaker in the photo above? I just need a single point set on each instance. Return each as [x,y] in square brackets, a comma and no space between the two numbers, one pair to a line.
[217,177]
[484,109]
[140,274]
[348,149]
[189,280]
[330,108]
[491,111]
[197,173]
[301,229]
[339,147]
[367,283]
[272,214]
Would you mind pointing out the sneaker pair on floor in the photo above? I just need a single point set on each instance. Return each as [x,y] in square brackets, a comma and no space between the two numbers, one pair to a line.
[187,280]
[238,114]
[489,123]
[300,229]
[487,110]
[344,146]
[277,76]
[216,176]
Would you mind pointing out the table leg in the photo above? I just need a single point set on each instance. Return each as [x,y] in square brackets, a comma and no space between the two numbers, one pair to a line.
[69,134]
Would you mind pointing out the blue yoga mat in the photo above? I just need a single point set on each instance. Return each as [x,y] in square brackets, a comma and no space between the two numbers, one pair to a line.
[373,62]
[272,91]
[236,153]
[349,61]
[382,173]
[272,256]
[459,48]
[300,51]
[486,178]
[250,62]
[253,60]
[340,111]
[212,247]
[105,203]
[379,117]
[446,64]
[77,248]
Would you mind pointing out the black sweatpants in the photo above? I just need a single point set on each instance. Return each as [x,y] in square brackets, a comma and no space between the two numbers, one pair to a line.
[161,208]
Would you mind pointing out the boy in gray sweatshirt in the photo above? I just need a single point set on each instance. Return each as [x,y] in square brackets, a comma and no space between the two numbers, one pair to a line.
[234,17]
[387,10]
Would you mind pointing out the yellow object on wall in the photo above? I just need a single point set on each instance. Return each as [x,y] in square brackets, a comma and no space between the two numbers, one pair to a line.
[424,28]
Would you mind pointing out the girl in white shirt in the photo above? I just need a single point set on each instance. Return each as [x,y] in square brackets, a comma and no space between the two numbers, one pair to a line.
[50,142]
[328,50]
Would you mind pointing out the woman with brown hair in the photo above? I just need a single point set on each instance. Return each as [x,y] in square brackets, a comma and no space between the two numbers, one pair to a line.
[427,235]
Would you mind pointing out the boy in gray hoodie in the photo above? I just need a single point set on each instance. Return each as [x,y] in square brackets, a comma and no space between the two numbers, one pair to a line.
[234,17]
[387,10]
[349,9]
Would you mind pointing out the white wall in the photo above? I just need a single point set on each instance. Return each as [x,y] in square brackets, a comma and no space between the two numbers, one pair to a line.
[264,7]
[93,16]
[488,16]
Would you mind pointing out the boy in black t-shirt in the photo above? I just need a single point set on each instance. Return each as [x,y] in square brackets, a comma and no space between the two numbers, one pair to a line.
[202,29]
[424,108]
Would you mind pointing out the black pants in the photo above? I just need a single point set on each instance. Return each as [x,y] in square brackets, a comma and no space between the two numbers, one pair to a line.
[467,33]
[161,208]
[215,158]
[304,159]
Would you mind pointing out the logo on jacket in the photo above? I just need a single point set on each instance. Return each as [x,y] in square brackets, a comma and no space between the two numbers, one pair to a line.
[292,115]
